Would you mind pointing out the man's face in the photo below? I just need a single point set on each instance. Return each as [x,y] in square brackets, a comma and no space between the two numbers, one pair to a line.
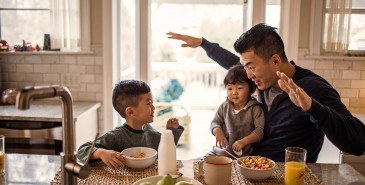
[263,73]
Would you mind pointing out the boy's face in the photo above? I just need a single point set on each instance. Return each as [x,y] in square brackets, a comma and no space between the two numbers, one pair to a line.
[144,111]
[238,93]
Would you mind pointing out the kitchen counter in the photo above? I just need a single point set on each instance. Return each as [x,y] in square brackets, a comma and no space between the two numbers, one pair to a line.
[45,110]
[40,169]
[38,130]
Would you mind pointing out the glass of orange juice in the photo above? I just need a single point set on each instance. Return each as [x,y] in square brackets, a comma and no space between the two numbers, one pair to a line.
[295,159]
[2,155]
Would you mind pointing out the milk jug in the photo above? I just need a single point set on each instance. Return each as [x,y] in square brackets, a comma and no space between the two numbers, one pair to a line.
[167,154]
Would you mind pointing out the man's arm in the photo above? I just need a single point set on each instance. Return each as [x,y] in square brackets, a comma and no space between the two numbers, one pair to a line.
[220,55]
[329,114]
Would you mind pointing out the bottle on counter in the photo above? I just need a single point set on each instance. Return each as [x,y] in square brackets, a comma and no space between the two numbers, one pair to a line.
[167,154]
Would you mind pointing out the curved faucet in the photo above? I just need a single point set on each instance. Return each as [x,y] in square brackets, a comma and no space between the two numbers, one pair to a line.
[69,167]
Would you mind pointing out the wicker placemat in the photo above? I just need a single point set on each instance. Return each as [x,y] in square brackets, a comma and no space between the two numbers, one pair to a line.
[277,176]
[102,174]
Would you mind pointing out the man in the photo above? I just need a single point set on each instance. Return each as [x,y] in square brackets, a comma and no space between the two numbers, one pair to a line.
[299,106]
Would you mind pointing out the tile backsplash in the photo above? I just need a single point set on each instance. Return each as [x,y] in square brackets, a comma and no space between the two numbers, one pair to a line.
[82,73]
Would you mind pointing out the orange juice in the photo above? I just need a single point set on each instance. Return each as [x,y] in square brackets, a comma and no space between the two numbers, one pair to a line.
[2,162]
[294,173]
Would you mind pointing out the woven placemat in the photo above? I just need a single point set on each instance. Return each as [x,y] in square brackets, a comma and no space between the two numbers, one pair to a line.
[102,174]
[277,176]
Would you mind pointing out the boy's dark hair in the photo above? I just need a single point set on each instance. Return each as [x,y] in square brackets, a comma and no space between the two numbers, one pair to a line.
[237,74]
[263,40]
[126,94]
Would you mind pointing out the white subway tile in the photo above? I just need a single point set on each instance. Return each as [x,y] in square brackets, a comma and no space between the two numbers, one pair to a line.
[350,74]
[331,74]
[357,102]
[8,68]
[346,101]
[33,59]
[51,77]
[341,84]
[51,59]
[67,59]
[359,65]
[324,64]
[24,68]
[94,87]
[360,84]
[16,77]
[362,93]
[85,60]
[33,77]
[80,69]
[60,68]
[342,65]
[42,68]
[87,78]
[349,93]
[18,59]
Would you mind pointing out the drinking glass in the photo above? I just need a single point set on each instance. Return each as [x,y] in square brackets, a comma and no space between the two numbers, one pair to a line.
[295,162]
[2,155]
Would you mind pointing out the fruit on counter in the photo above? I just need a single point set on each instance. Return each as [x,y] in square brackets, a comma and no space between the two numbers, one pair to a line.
[146,183]
[167,180]
[183,183]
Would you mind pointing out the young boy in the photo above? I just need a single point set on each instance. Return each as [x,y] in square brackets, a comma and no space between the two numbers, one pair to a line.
[132,99]
[239,121]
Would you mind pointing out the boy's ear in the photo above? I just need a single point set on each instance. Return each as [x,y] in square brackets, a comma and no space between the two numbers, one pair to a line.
[129,111]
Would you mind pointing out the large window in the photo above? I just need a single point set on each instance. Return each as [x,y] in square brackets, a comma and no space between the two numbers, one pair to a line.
[357,26]
[25,20]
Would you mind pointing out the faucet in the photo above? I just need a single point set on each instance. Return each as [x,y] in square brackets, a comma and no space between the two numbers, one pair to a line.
[70,168]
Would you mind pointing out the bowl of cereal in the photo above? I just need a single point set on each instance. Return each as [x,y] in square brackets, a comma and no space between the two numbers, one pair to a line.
[255,167]
[139,157]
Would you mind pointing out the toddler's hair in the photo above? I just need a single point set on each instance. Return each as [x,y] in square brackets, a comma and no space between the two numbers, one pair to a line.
[237,74]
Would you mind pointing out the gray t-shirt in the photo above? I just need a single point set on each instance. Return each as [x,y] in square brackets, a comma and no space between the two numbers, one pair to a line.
[236,126]
[124,137]
[270,95]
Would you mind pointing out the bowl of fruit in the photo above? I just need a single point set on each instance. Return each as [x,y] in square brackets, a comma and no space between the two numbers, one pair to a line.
[255,167]
[167,180]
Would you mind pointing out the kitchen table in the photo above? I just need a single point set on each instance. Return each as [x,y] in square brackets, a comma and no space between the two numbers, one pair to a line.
[41,169]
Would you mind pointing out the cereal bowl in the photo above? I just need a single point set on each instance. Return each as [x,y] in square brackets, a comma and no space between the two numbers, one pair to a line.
[255,174]
[134,157]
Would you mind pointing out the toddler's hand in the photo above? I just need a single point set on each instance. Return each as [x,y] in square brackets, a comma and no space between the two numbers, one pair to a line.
[173,122]
[238,145]
[220,138]
[113,159]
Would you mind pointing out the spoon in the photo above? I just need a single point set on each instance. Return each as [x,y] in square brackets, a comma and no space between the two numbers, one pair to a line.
[232,155]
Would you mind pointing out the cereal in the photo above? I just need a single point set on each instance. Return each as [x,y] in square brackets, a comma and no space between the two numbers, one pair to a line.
[140,155]
[256,162]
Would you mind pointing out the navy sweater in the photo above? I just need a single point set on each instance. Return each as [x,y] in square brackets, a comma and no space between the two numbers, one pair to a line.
[288,125]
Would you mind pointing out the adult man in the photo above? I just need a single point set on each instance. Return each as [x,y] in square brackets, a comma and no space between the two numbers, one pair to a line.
[299,106]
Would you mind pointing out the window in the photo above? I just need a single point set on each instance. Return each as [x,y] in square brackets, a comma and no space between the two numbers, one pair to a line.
[24,20]
[30,20]
[272,13]
[357,26]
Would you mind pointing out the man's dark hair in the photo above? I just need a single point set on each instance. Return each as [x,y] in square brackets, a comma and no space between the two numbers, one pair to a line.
[263,40]
[126,94]
[237,74]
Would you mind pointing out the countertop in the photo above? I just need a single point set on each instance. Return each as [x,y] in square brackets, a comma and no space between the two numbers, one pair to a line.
[40,169]
[45,110]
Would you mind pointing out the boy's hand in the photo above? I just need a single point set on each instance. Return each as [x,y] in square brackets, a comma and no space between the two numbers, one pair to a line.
[220,138]
[173,122]
[111,158]
[238,145]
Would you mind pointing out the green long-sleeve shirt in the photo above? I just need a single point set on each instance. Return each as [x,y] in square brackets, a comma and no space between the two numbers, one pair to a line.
[124,137]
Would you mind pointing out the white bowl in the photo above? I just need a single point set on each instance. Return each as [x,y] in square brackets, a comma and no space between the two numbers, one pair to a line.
[155,179]
[255,174]
[139,163]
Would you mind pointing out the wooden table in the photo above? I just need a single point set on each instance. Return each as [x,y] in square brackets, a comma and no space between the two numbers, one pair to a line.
[40,169]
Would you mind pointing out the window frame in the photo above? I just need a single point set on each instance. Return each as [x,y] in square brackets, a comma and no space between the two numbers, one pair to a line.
[85,23]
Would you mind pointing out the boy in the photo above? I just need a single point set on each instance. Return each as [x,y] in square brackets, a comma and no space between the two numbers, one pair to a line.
[239,121]
[132,99]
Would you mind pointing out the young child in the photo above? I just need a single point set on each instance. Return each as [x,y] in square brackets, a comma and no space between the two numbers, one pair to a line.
[239,121]
[132,99]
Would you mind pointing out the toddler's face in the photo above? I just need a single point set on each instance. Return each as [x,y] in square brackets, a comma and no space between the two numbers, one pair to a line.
[145,109]
[238,93]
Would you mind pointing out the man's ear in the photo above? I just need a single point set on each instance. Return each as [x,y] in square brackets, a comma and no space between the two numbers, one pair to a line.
[129,111]
[276,60]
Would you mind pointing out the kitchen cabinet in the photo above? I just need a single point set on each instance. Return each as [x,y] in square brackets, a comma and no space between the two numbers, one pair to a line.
[38,130]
